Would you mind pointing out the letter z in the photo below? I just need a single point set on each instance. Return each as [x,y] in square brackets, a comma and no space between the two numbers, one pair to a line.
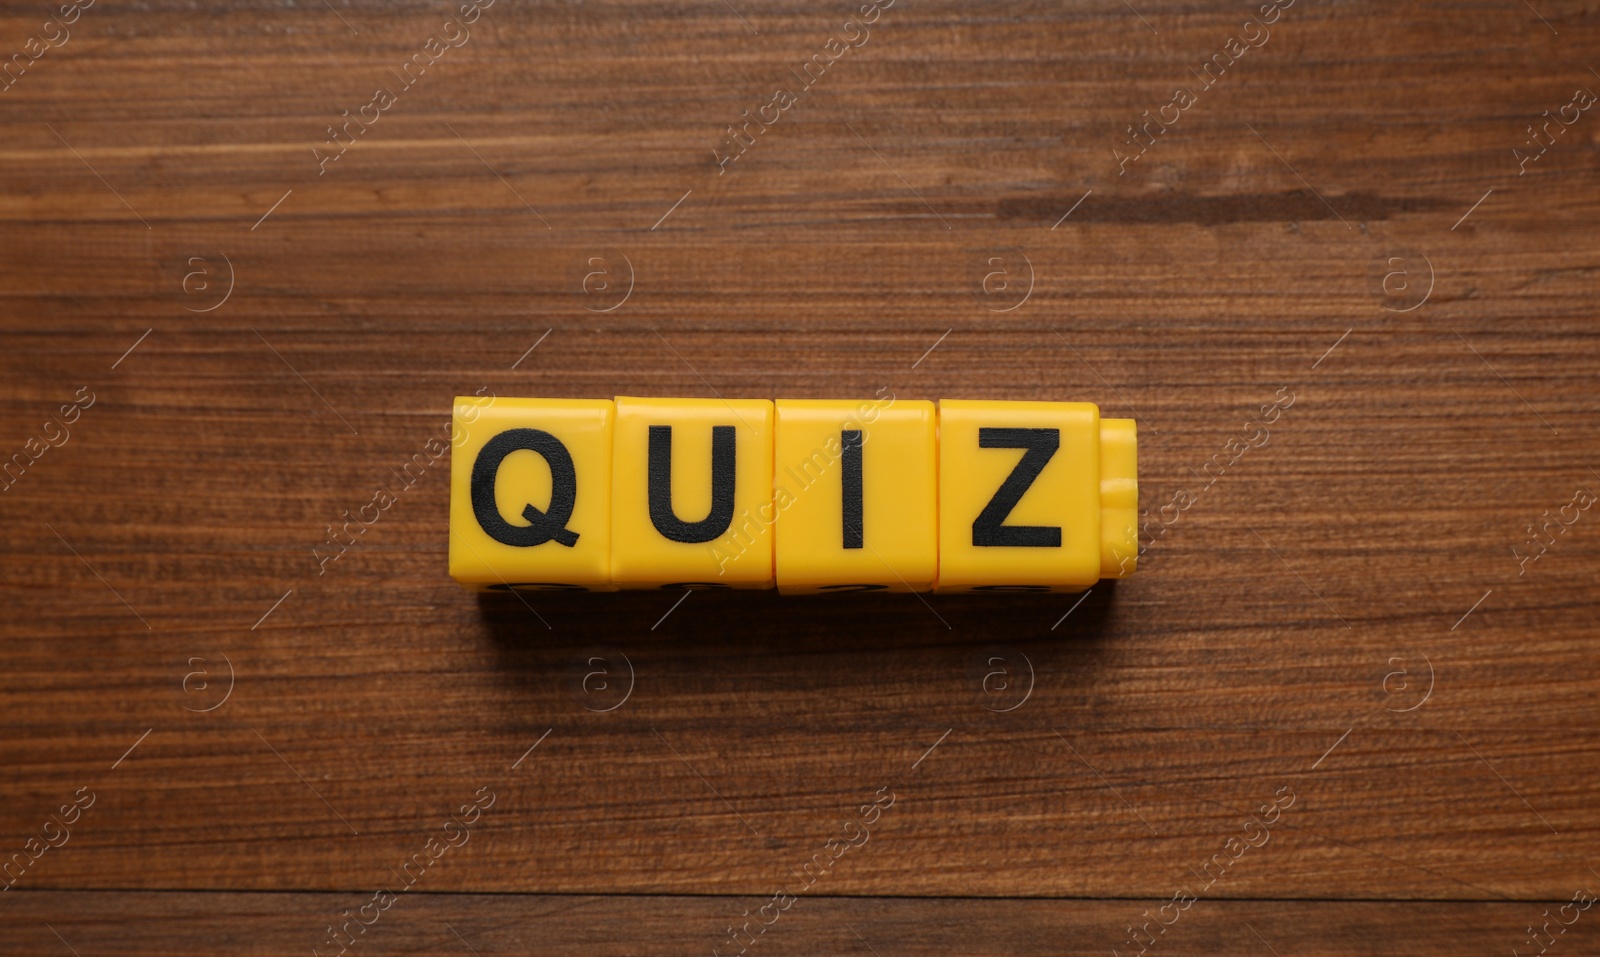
[989,528]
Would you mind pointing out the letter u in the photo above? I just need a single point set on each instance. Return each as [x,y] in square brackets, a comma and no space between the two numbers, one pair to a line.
[659,472]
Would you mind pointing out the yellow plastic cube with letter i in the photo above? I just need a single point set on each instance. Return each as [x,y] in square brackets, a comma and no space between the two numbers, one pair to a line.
[691,495]
[1021,496]
[530,494]
[855,493]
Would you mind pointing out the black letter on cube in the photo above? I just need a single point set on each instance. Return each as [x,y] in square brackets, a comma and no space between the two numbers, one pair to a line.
[850,445]
[987,528]
[542,526]
[659,471]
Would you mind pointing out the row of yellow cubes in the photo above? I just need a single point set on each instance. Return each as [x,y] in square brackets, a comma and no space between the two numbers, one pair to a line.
[807,495]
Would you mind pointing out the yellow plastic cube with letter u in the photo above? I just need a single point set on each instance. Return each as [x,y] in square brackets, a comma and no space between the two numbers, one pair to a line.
[1020,496]
[855,489]
[691,493]
[530,493]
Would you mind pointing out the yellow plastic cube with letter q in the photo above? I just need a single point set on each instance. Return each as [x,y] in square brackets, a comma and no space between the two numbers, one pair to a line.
[530,494]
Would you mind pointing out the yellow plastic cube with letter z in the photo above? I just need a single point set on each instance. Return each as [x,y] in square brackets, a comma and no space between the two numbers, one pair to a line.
[691,493]
[530,493]
[1020,496]
[856,496]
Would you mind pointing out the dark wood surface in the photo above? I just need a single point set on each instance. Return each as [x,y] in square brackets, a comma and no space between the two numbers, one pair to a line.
[451,925]
[1340,611]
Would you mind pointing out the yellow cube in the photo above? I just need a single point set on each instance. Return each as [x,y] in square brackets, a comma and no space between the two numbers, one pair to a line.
[1019,496]
[530,493]
[691,493]
[856,496]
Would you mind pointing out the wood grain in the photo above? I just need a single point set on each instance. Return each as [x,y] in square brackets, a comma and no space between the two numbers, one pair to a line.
[456,924]
[1281,631]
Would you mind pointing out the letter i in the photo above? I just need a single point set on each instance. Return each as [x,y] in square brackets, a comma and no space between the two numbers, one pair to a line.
[850,441]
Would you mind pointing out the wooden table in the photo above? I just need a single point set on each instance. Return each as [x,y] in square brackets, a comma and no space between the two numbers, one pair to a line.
[1346,706]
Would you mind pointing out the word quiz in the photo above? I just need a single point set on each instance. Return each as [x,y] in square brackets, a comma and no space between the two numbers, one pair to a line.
[806,495]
